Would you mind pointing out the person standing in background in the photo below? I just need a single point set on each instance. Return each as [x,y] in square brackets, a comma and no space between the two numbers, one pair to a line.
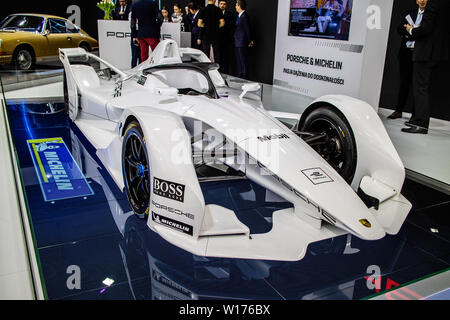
[179,17]
[430,48]
[405,57]
[210,21]
[122,11]
[242,39]
[188,19]
[165,14]
[150,21]
[196,41]
[226,39]
[135,50]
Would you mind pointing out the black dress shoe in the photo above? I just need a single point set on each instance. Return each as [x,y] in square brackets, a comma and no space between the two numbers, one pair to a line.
[412,122]
[415,129]
[395,115]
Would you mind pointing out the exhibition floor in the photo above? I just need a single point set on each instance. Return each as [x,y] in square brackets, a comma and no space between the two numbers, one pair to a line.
[427,154]
[120,258]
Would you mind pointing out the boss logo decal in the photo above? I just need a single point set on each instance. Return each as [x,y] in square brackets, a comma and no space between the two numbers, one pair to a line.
[168,189]
[185,228]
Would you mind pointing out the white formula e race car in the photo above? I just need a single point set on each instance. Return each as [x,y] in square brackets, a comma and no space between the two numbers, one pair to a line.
[172,124]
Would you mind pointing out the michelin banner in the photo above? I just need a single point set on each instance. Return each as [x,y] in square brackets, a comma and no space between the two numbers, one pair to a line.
[58,173]
[332,47]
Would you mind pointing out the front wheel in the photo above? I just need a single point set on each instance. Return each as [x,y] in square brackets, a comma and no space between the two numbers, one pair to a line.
[337,145]
[136,170]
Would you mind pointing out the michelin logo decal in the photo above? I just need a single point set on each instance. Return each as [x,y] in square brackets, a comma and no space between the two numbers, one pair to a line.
[174,224]
[58,173]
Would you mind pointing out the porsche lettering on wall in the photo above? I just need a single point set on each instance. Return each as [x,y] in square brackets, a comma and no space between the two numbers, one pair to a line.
[151,146]
[118,34]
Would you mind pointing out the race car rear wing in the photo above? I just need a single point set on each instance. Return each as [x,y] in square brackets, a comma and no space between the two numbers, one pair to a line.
[80,56]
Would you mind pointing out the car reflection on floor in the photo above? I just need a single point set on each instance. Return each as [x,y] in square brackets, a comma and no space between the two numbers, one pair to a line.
[119,257]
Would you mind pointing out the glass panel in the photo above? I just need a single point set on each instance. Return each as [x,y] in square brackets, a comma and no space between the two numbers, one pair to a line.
[57,26]
[71,28]
[23,23]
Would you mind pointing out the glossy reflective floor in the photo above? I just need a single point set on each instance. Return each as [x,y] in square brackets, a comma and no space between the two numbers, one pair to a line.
[118,257]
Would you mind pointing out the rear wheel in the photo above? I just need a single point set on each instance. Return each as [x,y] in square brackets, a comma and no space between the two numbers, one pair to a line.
[337,143]
[85,46]
[23,58]
[136,169]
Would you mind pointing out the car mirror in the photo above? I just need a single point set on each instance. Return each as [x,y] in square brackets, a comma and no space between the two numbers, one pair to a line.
[249,87]
[45,33]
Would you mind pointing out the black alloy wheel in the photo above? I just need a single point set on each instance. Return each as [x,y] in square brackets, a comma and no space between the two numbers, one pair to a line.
[136,170]
[337,143]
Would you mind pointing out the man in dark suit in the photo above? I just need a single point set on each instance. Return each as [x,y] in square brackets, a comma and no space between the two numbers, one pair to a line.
[187,19]
[122,11]
[196,41]
[431,47]
[405,57]
[226,39]
[242,39]
[150,21]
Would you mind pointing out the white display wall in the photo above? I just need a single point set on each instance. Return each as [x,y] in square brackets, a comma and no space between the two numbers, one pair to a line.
[315,66]
[114,38]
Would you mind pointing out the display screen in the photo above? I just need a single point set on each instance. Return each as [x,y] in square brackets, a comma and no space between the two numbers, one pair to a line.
[327,19]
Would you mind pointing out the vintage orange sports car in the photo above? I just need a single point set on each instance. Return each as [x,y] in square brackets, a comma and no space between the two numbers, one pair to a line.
[27,39]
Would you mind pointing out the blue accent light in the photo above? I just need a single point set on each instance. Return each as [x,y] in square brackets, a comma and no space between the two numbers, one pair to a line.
[25,122]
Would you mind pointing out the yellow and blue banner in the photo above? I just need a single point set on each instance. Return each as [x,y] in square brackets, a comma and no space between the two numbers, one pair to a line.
[58,173]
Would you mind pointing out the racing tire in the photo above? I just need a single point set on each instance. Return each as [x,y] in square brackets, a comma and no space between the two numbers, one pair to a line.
[136,170]
[338,147]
